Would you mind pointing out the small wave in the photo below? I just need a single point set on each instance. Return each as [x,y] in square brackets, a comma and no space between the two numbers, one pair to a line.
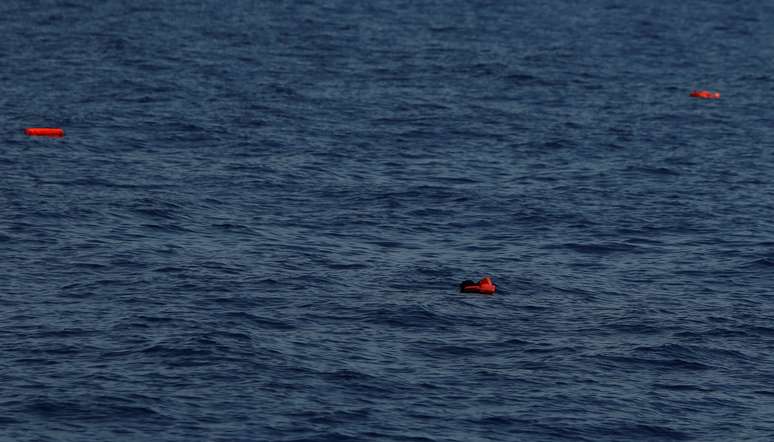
[696,352]
[597,248]
[170,228]
[668,364]
[171,351]
[89,265]
[407,317]
[453,350]
[714,332]
[89,409]
[260,322]
[662,171]
[762,262]
[347,375]
[326,436]
[233,228]
[346,266]
[651,432]
[635,327]
[558,144]
[680,387]
[760,330]
[156,212]
[97,182]
[169,269]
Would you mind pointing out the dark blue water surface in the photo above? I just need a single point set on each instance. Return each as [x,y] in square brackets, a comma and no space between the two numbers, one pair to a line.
[255,224]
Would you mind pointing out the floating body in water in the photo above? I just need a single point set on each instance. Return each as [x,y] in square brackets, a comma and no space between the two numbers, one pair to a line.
[705,94]
[485,286]
[44,132]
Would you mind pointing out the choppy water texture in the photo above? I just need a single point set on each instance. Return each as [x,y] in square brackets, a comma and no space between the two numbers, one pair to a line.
[254,227]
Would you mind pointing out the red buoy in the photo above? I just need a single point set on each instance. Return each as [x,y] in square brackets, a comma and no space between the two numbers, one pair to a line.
[44,132]
[485,286]
[707,95]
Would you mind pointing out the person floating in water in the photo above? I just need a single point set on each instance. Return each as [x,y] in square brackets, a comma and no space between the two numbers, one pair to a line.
[485,286]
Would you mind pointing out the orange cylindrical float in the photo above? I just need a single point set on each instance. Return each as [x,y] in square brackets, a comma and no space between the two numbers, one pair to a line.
[705,94]
[44,132]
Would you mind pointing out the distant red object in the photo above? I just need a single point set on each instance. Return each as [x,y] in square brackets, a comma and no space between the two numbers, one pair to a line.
[44,132]
[705,94]
[485,286]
